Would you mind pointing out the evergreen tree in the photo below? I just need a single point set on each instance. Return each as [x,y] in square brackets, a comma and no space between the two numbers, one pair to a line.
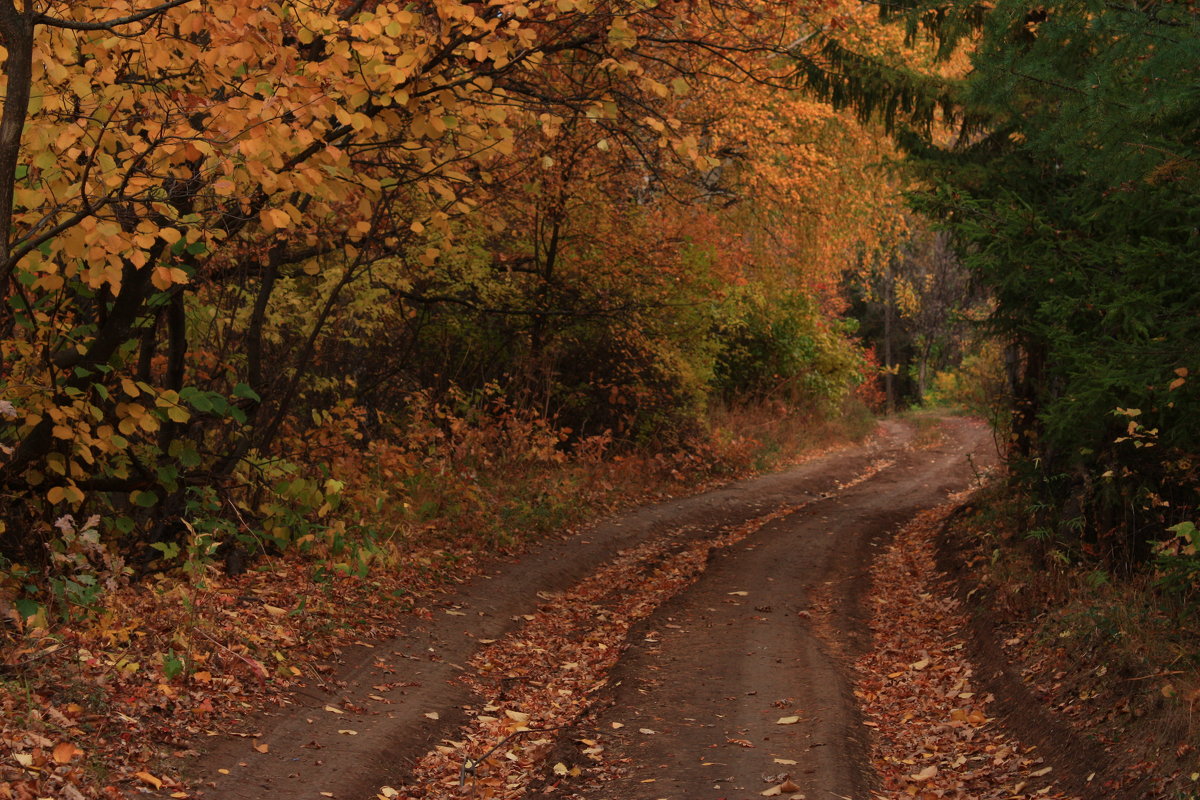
[1072,189]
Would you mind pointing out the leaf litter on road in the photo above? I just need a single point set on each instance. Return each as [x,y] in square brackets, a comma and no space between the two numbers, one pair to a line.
[524,684]
[932,736]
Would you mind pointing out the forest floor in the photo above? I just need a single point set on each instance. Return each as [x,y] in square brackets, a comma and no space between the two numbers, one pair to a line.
[790,635]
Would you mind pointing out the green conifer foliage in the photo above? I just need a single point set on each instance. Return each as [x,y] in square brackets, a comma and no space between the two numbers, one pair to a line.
[1072,188]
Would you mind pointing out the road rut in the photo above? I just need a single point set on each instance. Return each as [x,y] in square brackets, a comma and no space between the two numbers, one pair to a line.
[718,667]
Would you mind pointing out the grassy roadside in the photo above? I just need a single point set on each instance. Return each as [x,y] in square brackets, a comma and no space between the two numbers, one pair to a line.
[102,702]
[1116,660]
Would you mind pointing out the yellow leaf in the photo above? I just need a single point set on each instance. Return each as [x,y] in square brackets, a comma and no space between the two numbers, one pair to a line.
[263,748]
[787,720]
[161,278]
[273,219]
[146,777]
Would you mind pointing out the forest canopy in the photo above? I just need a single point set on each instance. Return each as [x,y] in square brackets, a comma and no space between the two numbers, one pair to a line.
[241,242]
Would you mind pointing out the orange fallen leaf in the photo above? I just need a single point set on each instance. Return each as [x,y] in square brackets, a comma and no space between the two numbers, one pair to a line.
[64,752]
[146,777]
[262,748]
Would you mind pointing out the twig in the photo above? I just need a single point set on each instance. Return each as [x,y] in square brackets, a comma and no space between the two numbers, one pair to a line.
[470,764]
[1156,675]
[255,667]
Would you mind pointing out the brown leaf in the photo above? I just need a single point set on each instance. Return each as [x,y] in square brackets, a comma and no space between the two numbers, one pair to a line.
[929,772]
[64,752]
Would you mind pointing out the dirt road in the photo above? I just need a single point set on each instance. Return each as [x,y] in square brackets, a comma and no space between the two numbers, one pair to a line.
[708,619]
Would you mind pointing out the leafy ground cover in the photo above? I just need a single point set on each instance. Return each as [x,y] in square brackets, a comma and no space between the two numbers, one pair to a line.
[1114,659]
[99,705]
[935,729]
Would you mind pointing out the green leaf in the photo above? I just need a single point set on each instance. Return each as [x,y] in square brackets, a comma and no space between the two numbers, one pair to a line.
[246,393]
[27,608]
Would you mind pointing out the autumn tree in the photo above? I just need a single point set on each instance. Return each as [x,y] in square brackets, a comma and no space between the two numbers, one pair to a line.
[210,208]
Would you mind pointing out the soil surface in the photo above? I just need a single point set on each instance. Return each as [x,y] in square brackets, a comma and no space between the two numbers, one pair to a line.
[691,708]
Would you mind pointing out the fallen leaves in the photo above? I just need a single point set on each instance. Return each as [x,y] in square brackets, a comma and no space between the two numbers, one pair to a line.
[542,677]
[792,720]
[932,736]
[787,787]
[146,777]
[65,753]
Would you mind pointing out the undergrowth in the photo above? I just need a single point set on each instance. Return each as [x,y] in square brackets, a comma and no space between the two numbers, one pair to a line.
[100,692]
[1119,658]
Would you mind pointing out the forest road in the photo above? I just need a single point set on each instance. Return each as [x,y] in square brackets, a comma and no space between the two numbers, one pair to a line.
[700,703]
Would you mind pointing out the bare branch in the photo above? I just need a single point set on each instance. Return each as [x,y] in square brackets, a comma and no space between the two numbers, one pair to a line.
[55,22]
